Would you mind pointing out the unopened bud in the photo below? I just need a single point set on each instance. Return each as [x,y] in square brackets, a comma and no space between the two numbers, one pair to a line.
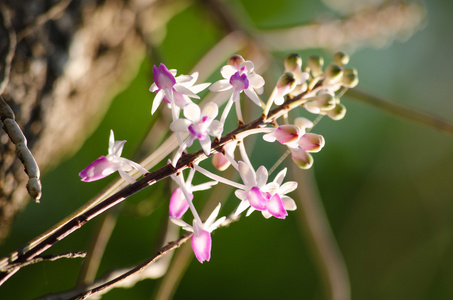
[235,61]
[293,62]
[338,112]
[350,78]
[287,80]
[315,64]
[333,73]
[341,58]
[326,102]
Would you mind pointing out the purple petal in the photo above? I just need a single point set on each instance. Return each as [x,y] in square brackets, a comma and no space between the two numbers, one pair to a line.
[178,203]
[256,199]
[276,207]
[201,245]
[163,78]
[98,169]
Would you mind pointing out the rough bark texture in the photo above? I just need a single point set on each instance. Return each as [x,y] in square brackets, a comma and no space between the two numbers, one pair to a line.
[68,56]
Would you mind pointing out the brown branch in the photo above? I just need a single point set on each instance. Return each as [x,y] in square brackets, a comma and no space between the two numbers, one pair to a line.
[51,257]
[163,251]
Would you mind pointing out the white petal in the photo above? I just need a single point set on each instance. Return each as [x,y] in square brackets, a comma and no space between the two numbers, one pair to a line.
[181,223]
[255,80]
[111,142]
[240,194]
[212,217]
[211,110]
[249,65]
[185,91]
[228,71]
[203,186]
[216,224]
[157,101]
[220,86]
[242,206]
[288,187]
[128,178]
[199,87]
[270,137]
[289,203]
[215,129]
[206,145]
[192,112]
[272,188]
[266,214]
[185,79]
[280,176]
[247,175]
[261,176]
[251,209]
[253,96]
[153,87]
[180,125]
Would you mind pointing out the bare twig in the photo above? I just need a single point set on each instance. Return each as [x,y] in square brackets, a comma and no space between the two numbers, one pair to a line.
[50,257]
[163,251]
[402,111]
[23,153]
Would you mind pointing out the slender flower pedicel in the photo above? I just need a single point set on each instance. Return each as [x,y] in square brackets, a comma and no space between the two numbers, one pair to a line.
[106,165]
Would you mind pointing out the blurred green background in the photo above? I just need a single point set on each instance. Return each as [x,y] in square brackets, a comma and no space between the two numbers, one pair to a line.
[385,182]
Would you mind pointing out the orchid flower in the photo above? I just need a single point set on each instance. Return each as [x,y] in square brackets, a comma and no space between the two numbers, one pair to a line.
[200,124]
[269,198]
[106,165]
[239,75]
[171,89]
[298,141]
[201,238]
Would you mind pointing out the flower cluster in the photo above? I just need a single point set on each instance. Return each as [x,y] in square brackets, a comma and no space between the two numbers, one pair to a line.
[313,88]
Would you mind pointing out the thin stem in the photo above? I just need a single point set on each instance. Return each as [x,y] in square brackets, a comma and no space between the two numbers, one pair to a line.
[402,111]
[186,193]
[244,155]
[163,251]
[228,106]
[219,178]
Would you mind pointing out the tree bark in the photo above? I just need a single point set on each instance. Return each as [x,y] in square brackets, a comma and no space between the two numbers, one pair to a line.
[67,56]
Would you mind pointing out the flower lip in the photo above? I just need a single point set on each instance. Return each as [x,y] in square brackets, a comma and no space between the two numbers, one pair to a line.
[239,82]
